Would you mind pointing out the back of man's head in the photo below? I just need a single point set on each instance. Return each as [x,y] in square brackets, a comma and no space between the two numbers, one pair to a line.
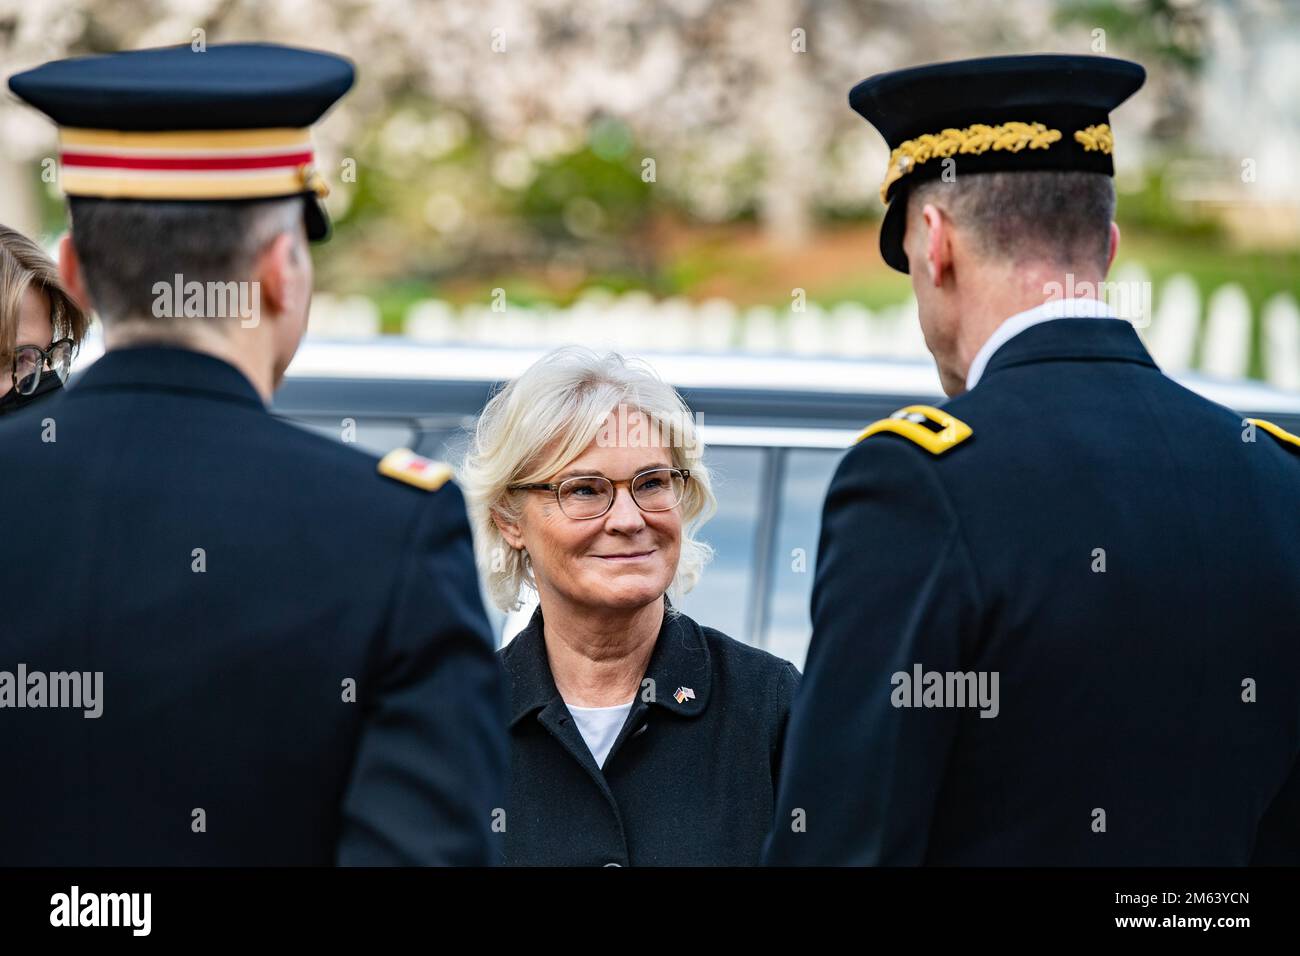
[128,250]
[986,246]
[232,279]
[1055,218]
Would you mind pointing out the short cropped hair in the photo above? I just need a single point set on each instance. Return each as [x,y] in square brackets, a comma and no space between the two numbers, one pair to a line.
[126,246]
[24,265]
[1055,216]
[535,425]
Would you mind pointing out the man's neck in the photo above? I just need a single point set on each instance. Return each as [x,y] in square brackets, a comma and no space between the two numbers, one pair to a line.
[195,336]
[1009,293]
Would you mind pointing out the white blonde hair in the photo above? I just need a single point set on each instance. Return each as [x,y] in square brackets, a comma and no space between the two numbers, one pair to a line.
[538,423]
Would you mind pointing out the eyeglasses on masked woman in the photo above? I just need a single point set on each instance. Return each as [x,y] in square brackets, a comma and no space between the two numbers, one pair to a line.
[31,363]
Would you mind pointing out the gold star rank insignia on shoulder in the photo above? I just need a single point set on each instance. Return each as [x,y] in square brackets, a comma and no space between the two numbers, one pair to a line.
[932,428]
[406,466]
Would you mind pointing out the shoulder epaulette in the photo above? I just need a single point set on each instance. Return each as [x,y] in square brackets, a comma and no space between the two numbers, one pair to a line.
[404,465]
[933,429]
[1278,432]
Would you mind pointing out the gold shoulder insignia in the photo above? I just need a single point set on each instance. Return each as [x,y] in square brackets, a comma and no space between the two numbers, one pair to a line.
[933,429]
[406,466]
[1281,434]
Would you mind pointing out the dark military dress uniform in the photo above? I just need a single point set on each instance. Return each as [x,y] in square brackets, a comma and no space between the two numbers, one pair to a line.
[228,573]
[691,779]
[1122,555]
[292,660]
[1119,689]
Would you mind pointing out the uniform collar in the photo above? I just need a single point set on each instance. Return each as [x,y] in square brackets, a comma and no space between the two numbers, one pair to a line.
[1046,312]
[169,369]
[679,662]
[1072,340]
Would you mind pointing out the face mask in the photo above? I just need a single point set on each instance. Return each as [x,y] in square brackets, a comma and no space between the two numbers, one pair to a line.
[11,401]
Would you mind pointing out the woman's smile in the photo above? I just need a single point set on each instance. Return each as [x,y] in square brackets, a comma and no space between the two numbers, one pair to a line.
[626,557]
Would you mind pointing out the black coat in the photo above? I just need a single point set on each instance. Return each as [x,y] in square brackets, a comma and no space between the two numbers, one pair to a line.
[689,782]
[1123,555]
[223,688]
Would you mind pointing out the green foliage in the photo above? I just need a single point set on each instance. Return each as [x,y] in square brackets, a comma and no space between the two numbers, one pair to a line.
[1151,209]
[1172,30]
[596,191]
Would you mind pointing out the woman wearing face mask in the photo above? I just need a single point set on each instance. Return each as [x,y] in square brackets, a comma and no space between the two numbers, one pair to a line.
[41,327]
[637,735]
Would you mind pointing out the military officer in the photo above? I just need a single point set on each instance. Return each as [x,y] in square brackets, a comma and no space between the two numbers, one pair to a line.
[227,640]
[1054,619]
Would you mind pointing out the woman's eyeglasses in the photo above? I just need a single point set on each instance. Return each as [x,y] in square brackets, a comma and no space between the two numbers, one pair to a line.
[590,496]
[31,361]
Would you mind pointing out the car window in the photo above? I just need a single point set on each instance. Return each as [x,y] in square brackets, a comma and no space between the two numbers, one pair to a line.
[723,596]
[807,475]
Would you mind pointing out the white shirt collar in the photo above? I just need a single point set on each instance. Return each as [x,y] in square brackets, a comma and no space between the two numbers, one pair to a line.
[1010,328]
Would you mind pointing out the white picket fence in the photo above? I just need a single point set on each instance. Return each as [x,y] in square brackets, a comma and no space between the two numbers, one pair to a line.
[1183,333]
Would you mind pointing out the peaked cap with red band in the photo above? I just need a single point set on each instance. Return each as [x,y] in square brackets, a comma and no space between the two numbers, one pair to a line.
[228,123]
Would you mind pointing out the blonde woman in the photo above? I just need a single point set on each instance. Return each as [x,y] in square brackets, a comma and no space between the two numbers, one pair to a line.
[41,326]
[638,736]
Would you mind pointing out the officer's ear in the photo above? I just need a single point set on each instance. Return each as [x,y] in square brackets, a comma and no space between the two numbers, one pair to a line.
[70,273]
[1114,246]
[938,243]
[283,271]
